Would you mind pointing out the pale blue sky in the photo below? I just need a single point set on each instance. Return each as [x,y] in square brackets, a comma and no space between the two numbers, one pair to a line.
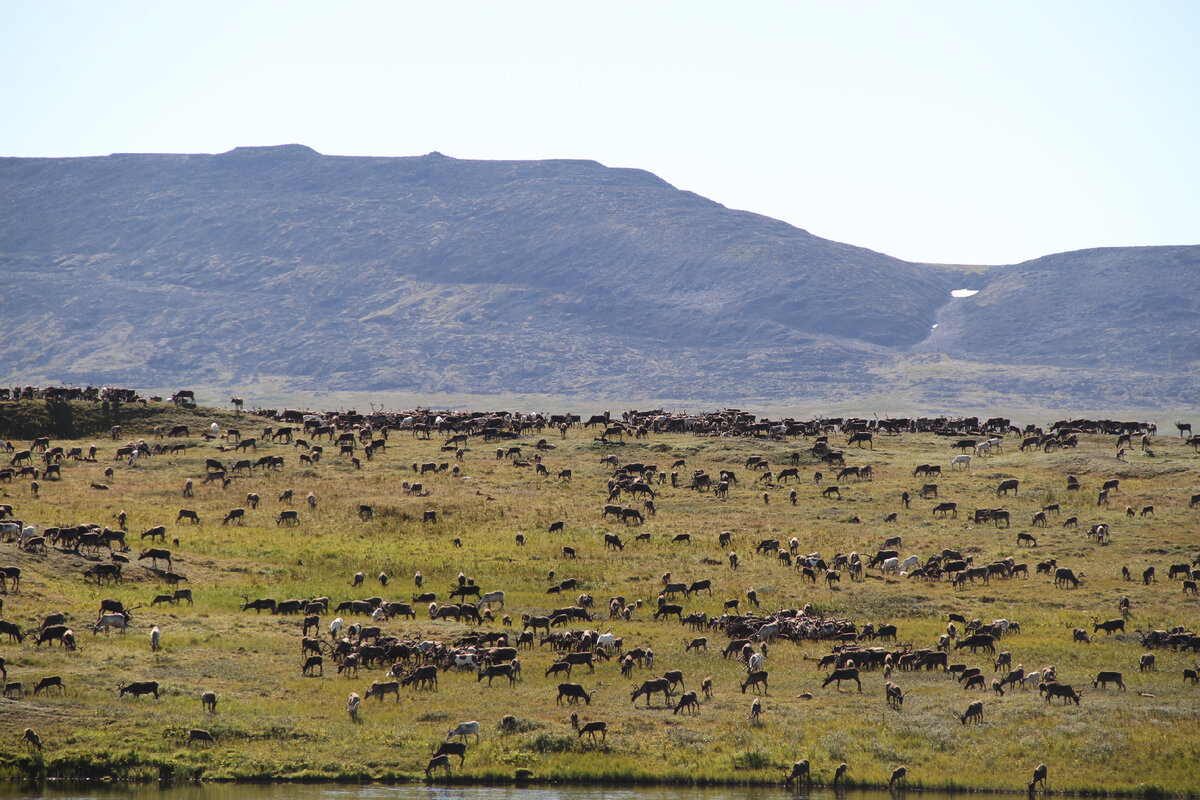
[962,132]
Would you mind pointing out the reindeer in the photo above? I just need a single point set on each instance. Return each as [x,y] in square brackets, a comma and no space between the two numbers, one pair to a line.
[650,688]
[843,674]
[800,770]
[1039,776]
[155,554]
[435,763]
[32,739]
[590,728]
[573,692]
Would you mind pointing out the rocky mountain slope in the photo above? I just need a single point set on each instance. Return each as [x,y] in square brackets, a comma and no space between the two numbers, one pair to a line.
[436,275]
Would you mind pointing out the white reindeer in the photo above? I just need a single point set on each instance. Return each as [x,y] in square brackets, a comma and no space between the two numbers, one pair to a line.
[464,730]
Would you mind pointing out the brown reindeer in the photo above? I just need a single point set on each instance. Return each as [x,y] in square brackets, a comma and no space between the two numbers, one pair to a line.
[800,770]
[844,674]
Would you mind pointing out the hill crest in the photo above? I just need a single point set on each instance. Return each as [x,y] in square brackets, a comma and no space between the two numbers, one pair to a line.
[561,277]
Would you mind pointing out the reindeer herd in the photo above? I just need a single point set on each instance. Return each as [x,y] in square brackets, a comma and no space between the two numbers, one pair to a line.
[465,629]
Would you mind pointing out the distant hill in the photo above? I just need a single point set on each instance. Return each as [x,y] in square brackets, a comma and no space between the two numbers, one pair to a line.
[282,266]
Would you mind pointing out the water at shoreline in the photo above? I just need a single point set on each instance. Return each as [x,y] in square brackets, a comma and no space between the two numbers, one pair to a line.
[299,791]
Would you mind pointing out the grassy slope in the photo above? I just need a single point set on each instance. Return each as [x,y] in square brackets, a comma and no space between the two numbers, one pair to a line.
[273,722]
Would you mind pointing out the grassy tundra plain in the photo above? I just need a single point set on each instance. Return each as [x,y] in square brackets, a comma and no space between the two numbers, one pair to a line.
[272,722]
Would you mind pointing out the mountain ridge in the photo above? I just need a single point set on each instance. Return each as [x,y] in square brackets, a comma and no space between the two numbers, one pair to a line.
[560,277]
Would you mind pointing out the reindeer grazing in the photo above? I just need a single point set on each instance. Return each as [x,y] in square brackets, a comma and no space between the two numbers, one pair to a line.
[590,728]
[573,692]
[48,683]
[688,701]
[754,679]
[138,689]
[437,762]
[1054,689]
[799,770]
[155,554]
[465,729]
[200,735]
[1039,776]
[650,688]
[453,749]
[845,674]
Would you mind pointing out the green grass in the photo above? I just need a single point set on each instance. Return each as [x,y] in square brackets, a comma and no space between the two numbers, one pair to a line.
[274,723]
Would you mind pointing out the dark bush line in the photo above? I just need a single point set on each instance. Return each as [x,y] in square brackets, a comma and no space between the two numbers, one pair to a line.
[74,419]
